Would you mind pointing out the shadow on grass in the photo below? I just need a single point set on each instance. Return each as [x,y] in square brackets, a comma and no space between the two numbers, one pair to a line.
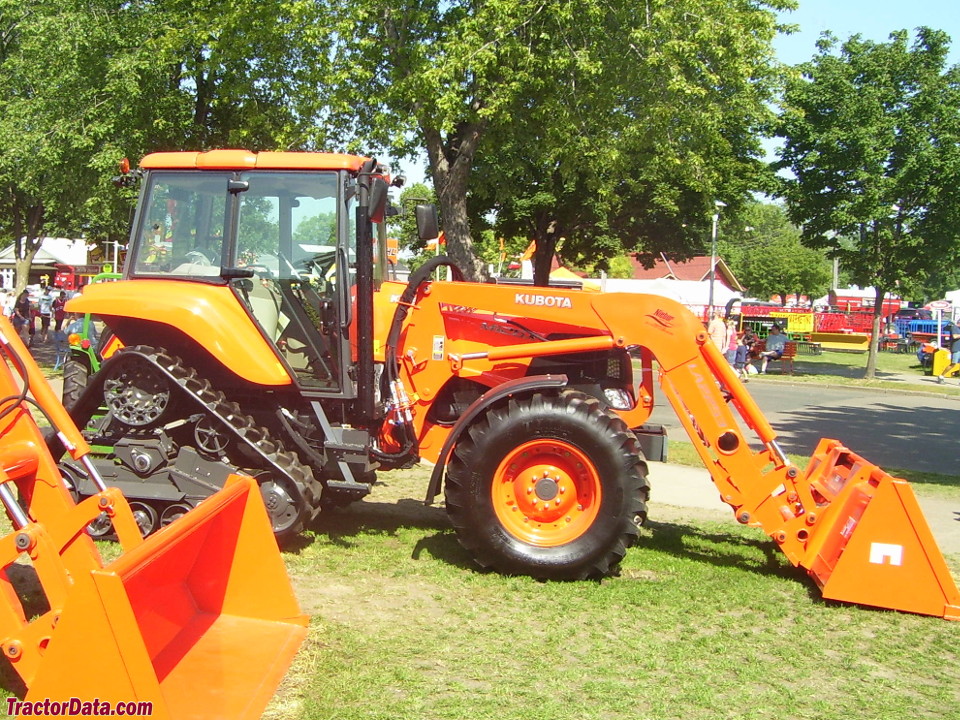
[715,547]
[852,371]
[389,520]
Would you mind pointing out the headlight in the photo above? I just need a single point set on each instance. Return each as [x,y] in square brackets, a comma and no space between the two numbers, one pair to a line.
[618,398]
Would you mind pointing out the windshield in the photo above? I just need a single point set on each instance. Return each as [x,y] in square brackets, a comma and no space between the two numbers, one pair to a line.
[181,231]
[286,223]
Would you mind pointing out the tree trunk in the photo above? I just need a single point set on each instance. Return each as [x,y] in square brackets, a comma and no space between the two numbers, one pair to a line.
[451,160]
[28,220]
[543,258]
[875,334]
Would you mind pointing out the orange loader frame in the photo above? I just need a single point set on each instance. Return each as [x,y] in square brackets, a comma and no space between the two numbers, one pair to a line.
[856,530]
[199,619]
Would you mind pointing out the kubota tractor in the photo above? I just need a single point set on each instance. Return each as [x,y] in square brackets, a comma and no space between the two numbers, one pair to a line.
[260,334]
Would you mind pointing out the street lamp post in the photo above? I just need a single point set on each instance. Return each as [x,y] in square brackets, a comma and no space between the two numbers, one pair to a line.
[713,251]
[117,247]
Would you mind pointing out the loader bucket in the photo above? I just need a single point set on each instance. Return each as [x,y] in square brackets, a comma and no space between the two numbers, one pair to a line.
[870,543]
[199,620]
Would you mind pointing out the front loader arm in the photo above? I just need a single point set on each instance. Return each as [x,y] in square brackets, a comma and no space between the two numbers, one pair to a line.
[712,405]
[856,530]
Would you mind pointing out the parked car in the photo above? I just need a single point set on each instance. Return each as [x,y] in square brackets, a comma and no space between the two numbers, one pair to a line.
[913,314]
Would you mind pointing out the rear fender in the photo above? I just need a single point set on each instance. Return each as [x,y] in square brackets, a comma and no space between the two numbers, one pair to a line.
[213,317]
[512,388]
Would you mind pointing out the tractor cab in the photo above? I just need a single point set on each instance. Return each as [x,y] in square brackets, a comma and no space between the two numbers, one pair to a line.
[284,240]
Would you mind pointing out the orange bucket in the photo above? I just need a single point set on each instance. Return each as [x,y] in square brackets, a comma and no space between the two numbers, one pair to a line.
[870,543]
[196,621]
[199,620]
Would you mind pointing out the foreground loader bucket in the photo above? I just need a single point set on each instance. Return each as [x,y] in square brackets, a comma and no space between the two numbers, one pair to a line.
[870,543]
[199,620]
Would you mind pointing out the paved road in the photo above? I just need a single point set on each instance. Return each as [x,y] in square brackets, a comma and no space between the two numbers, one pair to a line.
[913,431]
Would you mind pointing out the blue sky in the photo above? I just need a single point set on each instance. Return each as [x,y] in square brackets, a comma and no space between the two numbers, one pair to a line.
[874,19]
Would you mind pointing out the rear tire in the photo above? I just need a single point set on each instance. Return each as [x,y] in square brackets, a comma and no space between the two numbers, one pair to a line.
[551,486]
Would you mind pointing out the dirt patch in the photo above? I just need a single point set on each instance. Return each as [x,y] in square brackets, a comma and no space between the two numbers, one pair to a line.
[365,599]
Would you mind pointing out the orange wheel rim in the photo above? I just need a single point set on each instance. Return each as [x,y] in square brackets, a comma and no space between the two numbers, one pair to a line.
[546,493]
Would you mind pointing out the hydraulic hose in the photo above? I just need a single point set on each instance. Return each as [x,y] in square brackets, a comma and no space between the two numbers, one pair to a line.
[408,438]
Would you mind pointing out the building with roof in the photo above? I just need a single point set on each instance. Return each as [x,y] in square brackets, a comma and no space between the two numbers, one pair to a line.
[695,269]
[52,252]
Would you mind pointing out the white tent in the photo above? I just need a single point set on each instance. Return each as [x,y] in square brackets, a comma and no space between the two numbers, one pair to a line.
[691,293]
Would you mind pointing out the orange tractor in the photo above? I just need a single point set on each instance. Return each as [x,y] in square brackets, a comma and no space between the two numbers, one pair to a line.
[196,621]
[262,334]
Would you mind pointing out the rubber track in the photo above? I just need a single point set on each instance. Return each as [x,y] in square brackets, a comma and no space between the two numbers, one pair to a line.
[256,438]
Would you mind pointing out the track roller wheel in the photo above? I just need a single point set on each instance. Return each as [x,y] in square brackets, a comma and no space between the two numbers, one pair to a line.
[146,517]
[100,526]
[172,513]
[550,486]
[136,393]
[285,506]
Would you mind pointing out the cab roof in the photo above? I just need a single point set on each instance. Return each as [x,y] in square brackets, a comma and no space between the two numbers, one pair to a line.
[246,160]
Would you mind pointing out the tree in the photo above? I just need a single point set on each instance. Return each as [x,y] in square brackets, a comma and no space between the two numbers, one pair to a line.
[404,225]
[51,122]
[872,137]
[650,120]
[632,98]
[764,251]
[86,83]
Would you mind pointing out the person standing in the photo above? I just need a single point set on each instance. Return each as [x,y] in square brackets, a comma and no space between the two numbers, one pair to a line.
[954,344]
[717,329]
[741,357]
[731,342]
[59,311]
[23,315]
[45,305]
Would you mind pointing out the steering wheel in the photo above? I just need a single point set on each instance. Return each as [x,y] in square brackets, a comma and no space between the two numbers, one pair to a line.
[196,257]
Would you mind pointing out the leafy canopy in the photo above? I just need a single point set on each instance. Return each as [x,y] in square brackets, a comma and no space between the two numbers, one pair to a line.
[872,138]
[764,251]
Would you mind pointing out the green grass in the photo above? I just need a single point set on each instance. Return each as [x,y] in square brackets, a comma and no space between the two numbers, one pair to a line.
[845,368]
[707,620]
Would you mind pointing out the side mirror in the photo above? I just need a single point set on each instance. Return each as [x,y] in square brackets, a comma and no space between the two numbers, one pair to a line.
[378,200]
[428,227]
